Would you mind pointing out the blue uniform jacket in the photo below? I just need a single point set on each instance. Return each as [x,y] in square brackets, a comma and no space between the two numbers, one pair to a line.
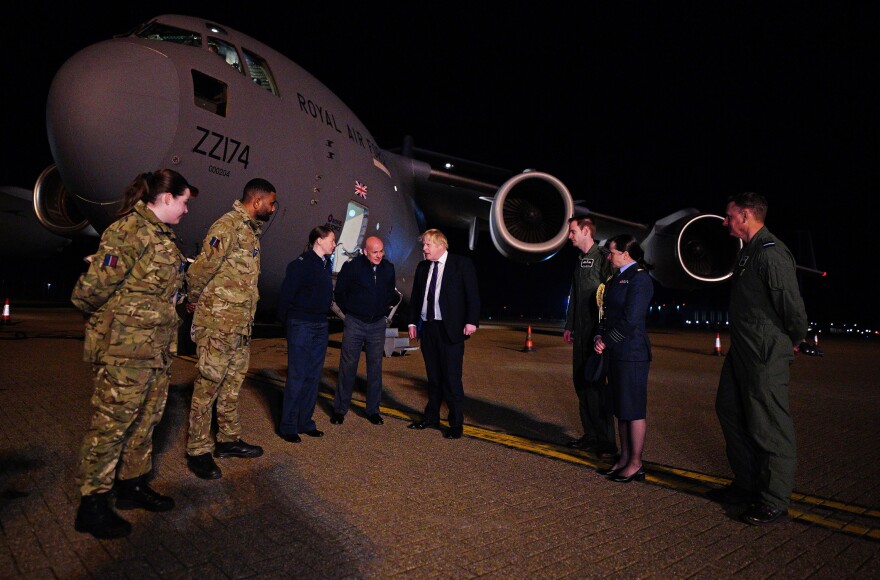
[362,293]
[307,290]
[626,301]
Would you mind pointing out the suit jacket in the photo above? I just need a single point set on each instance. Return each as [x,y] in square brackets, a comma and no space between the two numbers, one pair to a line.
[623,329]
[459,296]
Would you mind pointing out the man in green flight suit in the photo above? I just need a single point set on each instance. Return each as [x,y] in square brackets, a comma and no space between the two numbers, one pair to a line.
[223,293]
[581,320]
[767,323]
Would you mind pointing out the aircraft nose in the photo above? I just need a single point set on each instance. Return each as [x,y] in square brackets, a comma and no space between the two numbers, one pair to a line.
[112,113]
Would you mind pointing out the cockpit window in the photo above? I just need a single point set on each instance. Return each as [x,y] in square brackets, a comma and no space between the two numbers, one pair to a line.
[225,51]
[209,93]
[157,31]
[259,71]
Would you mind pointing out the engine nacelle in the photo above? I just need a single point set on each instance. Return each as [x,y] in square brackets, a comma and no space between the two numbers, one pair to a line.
[528,221]
[689,250]
[54,205]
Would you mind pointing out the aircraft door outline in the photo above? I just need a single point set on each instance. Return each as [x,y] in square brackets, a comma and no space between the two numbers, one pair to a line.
[351,237]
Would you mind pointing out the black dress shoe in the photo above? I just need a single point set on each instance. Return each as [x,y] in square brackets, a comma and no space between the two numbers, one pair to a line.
[637,476]
[203,466]
[607,472]
[453,433]
[421,424]
[315,433]
[731,494]
[375,419]
[760,513]
[294,438]
[337,418]
[583,443]
[237,449]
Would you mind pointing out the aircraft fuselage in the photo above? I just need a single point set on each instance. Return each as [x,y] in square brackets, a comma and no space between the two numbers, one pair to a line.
[138,103]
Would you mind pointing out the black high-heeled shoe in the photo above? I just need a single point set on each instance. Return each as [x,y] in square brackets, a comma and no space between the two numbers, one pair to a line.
[637,476]
[608,472]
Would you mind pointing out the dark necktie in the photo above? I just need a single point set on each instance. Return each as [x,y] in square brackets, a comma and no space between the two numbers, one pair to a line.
[432,287]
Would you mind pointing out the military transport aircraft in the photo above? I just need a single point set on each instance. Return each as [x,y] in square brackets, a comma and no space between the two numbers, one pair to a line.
[221,108]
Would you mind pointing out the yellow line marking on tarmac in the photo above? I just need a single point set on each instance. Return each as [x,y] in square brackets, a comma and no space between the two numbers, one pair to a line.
[671,477]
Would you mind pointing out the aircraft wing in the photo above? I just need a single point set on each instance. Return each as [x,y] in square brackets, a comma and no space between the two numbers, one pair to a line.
[21,234]
[527,218]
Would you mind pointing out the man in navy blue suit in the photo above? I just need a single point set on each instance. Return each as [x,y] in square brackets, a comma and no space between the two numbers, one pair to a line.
[444,312]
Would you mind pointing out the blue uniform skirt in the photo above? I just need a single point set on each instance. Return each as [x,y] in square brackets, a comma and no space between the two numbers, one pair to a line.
[629,387]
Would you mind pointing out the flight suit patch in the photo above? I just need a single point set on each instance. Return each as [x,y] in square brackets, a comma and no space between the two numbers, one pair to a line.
[587,262]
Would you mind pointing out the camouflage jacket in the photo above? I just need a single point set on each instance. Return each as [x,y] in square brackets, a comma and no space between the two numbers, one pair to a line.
[130,291]
[223,278]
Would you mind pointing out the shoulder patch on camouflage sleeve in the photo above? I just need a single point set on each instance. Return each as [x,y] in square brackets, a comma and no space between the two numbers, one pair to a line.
[110,261]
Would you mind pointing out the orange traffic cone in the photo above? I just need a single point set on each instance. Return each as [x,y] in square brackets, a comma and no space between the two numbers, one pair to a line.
[6,317]
[528,347]
[717,351]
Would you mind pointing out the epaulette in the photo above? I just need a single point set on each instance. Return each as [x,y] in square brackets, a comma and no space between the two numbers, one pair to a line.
[768,244]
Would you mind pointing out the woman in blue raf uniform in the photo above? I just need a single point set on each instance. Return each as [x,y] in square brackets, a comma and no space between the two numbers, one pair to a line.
[306,295]
[624,338]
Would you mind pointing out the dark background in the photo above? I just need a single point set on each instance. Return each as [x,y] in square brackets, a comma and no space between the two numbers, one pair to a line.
[641,109]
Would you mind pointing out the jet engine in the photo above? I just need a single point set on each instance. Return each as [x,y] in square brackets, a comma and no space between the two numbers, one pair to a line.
[689,250]
[54,205]
[528,221]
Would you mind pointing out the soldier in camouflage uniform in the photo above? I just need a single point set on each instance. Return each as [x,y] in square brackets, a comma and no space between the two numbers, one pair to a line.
[767,322]
[130,293]
[581,320]
[222,289]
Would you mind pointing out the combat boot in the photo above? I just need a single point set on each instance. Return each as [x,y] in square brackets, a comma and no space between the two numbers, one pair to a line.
[135,493]
[96,517]
[204,466]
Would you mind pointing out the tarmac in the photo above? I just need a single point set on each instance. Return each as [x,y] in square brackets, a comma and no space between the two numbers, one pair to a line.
[508,500]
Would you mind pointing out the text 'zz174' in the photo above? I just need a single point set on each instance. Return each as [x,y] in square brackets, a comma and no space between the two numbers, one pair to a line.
[221,147]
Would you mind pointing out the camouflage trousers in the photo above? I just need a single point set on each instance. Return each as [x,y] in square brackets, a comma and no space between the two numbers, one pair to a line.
[128,403]
[223,363]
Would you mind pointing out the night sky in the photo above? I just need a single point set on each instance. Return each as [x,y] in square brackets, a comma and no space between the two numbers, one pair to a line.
[641,109]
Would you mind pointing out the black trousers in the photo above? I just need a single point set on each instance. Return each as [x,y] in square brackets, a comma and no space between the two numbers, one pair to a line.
[444,361]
